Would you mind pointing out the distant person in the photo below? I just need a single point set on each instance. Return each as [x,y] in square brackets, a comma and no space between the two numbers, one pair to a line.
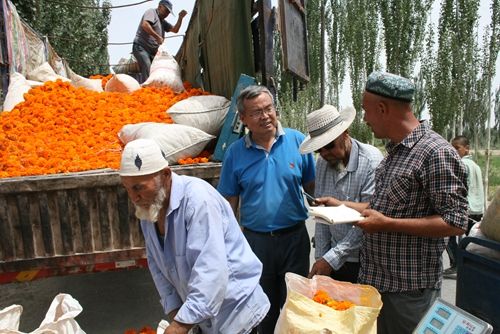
[263,174]
[475,198]
[345,174]
[150,34]
[202,266]
[420,199]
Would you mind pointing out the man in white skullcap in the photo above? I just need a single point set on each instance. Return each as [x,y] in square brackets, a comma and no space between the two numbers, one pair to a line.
[345,175]
[203,268]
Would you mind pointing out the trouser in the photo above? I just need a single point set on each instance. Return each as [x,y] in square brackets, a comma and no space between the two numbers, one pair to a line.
[452,245]
[347,273]
[279,252]
[402,311]
[144,59]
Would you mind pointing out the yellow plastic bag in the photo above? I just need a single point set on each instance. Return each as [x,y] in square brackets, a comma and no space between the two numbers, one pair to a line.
[301,314]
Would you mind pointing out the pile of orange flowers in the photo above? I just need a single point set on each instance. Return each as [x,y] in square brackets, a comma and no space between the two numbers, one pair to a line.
[104,78]
[324,298]
[144,330]
[201,158]
[60,128]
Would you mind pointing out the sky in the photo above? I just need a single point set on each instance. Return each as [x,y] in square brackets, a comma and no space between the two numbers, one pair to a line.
[124,23]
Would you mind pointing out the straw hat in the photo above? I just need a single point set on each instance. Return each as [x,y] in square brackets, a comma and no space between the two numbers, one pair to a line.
[325,125]
[142,157]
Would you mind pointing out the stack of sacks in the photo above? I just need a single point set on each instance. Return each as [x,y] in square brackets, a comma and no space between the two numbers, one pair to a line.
[60,318]
[164,71]
[175,140]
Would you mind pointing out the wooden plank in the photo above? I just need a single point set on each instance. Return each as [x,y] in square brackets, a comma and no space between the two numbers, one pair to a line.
[64,223]
[6,237]
[14,221]
[24,223]
[95,225]
[266,33]
[36,225]
[294,39]
[73,260]
[74,221]
[55,226]
[105,178]
[135,227]
[124,222]
[113,217]
[84,219]
[48,244]
[102,204]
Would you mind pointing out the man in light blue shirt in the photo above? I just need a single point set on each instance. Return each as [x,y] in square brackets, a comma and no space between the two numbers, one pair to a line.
[345,174]
[203,268]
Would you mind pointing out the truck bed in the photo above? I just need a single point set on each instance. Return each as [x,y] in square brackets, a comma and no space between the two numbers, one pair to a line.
[69,223]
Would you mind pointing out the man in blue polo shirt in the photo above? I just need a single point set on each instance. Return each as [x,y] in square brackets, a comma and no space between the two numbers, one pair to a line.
[265,170]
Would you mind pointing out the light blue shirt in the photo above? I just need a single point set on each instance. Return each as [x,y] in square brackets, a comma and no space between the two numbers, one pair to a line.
[475,193]
[269,183]
[206,268]
[340,243]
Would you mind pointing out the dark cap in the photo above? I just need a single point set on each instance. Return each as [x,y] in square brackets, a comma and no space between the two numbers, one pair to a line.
[391,86]
[167,5]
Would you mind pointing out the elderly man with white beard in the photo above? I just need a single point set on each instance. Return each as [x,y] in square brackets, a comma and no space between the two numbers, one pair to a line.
[203,268]
[345,174]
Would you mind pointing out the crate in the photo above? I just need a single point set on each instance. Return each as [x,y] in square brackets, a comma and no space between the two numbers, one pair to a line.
[478,282]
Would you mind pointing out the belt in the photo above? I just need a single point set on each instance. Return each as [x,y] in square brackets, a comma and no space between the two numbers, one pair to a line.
[278,232]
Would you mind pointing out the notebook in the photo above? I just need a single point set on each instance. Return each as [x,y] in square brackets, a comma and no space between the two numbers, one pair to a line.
[334,214]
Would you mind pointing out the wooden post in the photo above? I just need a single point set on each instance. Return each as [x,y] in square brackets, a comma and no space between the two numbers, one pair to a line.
[267,23]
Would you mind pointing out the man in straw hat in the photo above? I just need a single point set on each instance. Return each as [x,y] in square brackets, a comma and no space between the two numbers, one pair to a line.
[345,174]
[265,169]
[202,266]
[420,199]
[150,34]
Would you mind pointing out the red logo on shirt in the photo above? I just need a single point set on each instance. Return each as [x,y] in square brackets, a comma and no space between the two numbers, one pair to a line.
[292,165]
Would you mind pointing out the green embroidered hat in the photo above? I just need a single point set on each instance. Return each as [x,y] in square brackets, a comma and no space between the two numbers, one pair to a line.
[390,85]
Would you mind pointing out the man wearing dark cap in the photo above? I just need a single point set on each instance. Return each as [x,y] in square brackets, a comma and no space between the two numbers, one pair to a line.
[149,35]
[420,199]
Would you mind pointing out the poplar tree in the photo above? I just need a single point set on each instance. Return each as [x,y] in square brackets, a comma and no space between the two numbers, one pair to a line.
[76,29]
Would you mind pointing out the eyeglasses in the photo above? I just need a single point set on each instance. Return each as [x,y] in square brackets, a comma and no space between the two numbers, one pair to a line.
[260,112]
[326,147]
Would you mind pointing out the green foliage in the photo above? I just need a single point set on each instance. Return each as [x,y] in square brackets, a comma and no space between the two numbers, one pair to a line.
[494,171]
[76,29]
[404,24]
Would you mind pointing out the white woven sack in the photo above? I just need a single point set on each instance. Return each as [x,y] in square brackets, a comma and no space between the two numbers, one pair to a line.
[122,83]
[45,73]
[204,112]
[175,140]
[165,72]
[90,84]
[18,86]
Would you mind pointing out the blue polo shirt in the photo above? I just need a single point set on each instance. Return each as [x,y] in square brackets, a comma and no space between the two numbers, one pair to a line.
[269,184]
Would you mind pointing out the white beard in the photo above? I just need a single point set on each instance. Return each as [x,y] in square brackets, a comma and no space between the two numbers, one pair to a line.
[151,214]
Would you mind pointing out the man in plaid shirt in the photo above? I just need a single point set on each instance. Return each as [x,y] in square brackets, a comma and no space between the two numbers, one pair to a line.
[420,198]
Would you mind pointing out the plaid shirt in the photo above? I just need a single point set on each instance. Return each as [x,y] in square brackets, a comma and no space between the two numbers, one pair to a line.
[421,176]
[340,243]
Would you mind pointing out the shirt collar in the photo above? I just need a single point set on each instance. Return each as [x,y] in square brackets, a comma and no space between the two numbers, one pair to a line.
[176,193]
[412,138]
[353,162]
[248,138]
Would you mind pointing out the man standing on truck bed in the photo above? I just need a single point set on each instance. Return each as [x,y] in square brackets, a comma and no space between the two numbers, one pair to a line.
[150,34]
[420,198]
[265,169]
[202,266]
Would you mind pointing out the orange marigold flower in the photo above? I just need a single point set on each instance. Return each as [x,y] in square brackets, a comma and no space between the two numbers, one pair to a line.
[324,298]
[60,128]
